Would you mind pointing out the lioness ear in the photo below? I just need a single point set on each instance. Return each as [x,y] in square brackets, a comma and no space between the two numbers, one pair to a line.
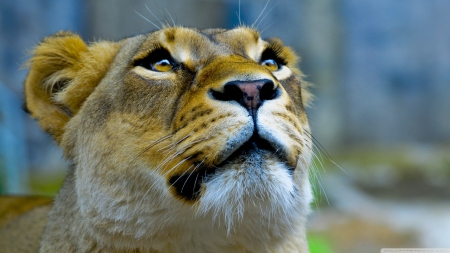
[64,71]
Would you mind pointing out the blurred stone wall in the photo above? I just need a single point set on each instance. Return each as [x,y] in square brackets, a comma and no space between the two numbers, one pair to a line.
[117,19]
[24,147]
[396,78]
[13,144]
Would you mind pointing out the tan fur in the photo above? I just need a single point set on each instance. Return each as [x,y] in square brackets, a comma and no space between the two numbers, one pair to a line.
[137,137]
[22,220]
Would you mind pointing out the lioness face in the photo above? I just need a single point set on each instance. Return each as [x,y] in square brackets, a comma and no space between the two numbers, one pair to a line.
[184,129]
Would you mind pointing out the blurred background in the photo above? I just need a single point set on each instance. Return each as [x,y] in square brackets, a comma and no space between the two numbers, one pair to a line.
[381,117]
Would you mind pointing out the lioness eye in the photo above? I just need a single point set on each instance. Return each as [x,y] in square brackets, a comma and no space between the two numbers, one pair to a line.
[271,64]
[162,65]
[271,59]
[158,60]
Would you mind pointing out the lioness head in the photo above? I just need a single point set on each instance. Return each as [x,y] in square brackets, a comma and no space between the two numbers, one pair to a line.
[178,136]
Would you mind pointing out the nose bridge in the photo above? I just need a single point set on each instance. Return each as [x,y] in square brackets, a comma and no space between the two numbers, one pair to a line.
[223,69]
[240,80]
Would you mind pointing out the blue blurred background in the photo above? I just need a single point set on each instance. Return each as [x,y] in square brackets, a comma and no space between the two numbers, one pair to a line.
[381,75]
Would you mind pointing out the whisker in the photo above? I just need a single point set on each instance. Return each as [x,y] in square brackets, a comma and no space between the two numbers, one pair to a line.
[149,147]
[265,15]
[151,186]
[321,148]
[168,157]
[172,169]
[173,22]
[320,163]
[177,165]
[148,20]
[172,145]
[321,186]
[316,174]
[195,169]
[265,6]
[159,20]
[182,174]
[319,158]
[239,13]
[268,27]
[187,179]
[164,15]
[323,151]
[195,183]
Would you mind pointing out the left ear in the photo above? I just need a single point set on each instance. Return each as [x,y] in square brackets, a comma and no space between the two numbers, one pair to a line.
[64,71]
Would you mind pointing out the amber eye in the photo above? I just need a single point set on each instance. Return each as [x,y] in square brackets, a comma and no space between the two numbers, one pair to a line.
[163,65]
[271,64]
[158,60]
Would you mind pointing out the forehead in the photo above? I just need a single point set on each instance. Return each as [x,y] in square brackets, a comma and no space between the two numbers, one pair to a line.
[186,44]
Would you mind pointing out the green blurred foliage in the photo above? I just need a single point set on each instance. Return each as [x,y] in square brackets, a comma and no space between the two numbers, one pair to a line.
[319,244]
[46,184]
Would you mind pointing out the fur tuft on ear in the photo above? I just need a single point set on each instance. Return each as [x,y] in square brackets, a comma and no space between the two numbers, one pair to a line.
[64,71]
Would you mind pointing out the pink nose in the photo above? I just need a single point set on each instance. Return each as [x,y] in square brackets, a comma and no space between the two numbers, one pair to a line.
[250,94]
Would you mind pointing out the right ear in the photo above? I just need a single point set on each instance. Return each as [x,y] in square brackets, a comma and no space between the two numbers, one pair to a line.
[64,71]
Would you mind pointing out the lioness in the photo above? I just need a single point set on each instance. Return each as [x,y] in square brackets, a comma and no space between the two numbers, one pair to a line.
[180,140]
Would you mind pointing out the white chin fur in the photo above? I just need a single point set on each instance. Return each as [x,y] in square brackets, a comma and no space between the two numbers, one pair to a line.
[235,196]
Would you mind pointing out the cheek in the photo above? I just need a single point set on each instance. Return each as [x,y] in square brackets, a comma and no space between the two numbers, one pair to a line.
[114,153]
[292,86]
[150,99]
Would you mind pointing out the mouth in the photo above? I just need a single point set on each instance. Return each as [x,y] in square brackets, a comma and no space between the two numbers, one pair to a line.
[188,185]
[254,144]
